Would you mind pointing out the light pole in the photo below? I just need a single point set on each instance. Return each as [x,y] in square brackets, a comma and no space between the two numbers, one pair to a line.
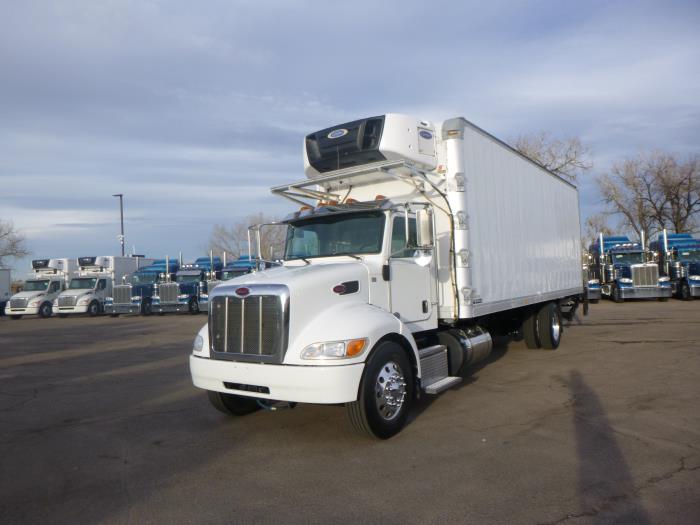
[121,215]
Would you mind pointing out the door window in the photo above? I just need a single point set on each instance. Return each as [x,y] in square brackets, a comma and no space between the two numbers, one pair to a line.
[101,284]
[398,237]
[55,287]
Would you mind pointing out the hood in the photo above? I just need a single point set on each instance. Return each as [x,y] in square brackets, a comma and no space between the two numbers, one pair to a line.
[27,295]
[76,292]
[314,277]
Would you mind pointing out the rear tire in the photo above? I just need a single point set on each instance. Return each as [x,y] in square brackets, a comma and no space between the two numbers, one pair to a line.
[385,394]
[549,326]
[528,329]
[231,404]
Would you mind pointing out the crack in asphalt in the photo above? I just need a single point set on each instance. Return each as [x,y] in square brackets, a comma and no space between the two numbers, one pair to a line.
[609,503]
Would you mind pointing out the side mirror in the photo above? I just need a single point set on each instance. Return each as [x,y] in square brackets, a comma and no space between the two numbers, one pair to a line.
[424,228]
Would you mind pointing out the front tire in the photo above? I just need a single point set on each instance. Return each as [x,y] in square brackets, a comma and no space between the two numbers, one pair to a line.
[94,309]
[615,294]
[231,404]
[685,294]
[45,310]
[549,326]
[193,306]
[385,394]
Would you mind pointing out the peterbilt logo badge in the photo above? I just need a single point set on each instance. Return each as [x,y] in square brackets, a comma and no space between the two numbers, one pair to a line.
[337,133]
[242,292]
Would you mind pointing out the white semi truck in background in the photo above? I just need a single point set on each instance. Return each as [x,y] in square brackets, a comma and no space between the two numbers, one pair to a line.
[415,241]
[94,282]
[50,277]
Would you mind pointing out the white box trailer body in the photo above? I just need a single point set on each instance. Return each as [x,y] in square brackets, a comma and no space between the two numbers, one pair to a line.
[471,238]
[50,277]
[94,282]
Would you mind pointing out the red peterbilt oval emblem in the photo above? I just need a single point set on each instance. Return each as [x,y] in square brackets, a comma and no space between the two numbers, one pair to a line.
[242,292]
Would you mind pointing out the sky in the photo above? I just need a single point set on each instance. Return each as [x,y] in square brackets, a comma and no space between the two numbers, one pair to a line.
[193,110]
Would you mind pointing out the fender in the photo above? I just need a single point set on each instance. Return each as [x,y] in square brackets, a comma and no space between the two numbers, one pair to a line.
[348,321]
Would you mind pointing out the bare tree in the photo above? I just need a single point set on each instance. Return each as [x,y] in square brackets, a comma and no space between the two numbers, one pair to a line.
[595,225]
[12,243]
[234,239]
[568,157]
[651,192]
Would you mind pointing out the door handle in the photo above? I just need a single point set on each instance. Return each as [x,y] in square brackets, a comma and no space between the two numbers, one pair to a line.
[425,306]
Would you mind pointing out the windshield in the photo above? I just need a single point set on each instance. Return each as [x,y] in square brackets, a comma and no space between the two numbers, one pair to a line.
[230,274]
[188,278]
[82,283]
[689,255]
[35,286]
[144,278]
[342,234]
[628,258]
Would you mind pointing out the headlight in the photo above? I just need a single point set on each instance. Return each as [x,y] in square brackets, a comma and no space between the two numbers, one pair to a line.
[198,343]
[84,300]
[55,302]
[664,279]
[182,296]
[694,277]
[135,297]
[625,280]
[593,281]
[34,302]
[334,349]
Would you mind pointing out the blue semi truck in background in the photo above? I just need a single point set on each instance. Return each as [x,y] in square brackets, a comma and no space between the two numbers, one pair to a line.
[189,291]
[241,266]
[625,270]
[679,258]
[135,294]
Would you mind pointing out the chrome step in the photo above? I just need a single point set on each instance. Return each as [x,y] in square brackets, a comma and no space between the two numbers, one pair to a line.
[434,369]
[442,384]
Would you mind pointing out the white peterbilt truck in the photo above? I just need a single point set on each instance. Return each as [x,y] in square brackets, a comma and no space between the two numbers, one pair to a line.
[94,282]
[415,241]
[48,280]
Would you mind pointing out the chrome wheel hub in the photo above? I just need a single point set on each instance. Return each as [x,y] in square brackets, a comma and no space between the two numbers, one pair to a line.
[390,390]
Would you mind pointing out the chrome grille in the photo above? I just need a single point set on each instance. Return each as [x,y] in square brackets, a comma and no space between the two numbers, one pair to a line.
[249,329]
[211,285]
[168,292]
[645,275]
[18,303]
[122,294]
[67,300]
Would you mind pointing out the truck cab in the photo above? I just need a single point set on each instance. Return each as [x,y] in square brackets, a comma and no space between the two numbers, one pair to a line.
[188,292]
[626,270]
[39,291]
[134,294]
[679,258]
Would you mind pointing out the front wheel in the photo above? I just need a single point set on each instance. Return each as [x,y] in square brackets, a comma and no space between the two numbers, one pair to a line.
[616,295]
[232,404]
[45,310]
[94,309]
[385,394]
[193,306]
[685,291]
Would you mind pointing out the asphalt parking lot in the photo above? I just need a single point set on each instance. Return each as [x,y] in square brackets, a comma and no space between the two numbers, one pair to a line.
[99,423]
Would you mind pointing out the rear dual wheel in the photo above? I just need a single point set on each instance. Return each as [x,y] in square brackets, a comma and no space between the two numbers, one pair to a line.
[542,328]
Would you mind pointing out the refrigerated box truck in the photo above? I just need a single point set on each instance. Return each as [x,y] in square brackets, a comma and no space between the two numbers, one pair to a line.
[49,278]
[415,241]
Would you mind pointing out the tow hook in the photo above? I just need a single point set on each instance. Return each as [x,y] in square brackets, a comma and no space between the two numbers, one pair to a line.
[274,406]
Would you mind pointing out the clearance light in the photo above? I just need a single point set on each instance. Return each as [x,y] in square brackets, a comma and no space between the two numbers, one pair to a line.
[355,347]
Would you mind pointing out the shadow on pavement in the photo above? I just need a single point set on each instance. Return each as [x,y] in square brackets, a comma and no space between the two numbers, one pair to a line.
[604,477]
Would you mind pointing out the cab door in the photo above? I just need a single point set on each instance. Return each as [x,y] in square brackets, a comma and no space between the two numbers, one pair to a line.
[409,283]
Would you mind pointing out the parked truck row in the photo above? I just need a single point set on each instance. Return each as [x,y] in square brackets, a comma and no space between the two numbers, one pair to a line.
[119,285]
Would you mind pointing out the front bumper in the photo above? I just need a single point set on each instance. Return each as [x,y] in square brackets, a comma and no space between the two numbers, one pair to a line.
[300,384]
[62,310]
[21,311]
[593,294]
[122,309]
[650,292]
[163,308]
